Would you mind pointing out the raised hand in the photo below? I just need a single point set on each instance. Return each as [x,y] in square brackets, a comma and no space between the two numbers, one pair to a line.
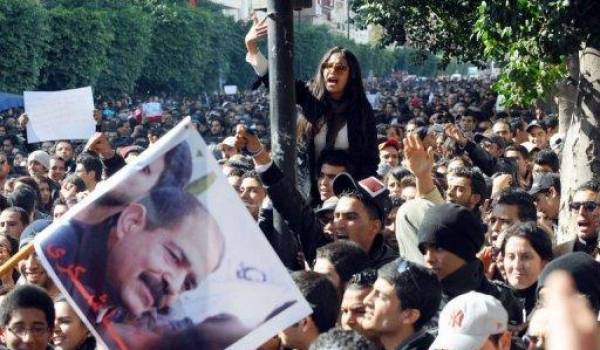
[453,132]
[257,32]
[418,159]
[245,138]
[99,143]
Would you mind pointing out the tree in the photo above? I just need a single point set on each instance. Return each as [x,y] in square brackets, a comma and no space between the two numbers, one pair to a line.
[179,56]
[127,51]
[533,40]
[77,48]
[24,32]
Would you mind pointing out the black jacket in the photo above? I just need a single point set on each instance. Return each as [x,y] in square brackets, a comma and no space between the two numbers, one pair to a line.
[421,340]
[489,164]
[381,253]
[302,220]
[362,133]
[470,277]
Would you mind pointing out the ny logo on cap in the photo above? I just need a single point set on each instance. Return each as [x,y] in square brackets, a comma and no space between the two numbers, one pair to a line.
[456,319]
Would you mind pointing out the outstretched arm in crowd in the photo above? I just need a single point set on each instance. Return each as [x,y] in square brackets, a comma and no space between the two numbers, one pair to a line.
[285,197]
[313,109]
[482,159]
[420,162]
[111,161]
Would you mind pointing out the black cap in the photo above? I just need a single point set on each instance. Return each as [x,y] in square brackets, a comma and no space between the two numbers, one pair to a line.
[328,205]
[543,181]
[32,230]
[453,228]
[371,188]
[584,270]
[535,123]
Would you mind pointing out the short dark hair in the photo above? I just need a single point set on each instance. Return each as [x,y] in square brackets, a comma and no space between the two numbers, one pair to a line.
[362,280]
[549,158]
[23,215]
[346,257]
[523,200]
[535,235]
[478,185]
[518,148]
[416,287]
[591,185]
[75,180]
[252,174]
[335,157]
[321,295]
[23,197]
[338,339]
[91,163]
[372,210]
[27,297]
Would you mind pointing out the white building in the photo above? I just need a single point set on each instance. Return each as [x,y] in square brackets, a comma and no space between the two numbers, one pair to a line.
[332,13]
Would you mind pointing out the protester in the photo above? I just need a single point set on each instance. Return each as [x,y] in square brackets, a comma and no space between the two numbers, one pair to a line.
[526,250]
[585,209]
[321,294]
[473,321]
[450,240]
[70,333]
[404,298]
[26,319]
[336,111]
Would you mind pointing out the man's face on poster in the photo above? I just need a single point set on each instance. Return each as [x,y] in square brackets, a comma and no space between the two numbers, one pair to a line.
[148,269]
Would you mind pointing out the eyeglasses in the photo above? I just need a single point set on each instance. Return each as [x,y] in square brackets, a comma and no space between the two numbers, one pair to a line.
[404,266]
[36,331]
[338,68]
[587,206]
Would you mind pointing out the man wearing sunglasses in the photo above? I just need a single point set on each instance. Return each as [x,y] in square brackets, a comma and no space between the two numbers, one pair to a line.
[403,300]
[585,211]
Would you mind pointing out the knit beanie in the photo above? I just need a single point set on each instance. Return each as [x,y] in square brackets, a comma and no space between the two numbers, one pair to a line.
[454,228]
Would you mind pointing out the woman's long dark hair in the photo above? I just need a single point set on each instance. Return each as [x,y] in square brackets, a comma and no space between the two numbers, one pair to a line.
[354,90]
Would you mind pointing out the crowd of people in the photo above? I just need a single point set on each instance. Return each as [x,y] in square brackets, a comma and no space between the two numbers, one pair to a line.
[424,215]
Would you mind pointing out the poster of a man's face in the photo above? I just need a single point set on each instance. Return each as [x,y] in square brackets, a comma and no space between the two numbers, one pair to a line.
[152,257]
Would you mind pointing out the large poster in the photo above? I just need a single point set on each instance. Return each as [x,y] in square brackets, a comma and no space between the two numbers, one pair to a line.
[165,256]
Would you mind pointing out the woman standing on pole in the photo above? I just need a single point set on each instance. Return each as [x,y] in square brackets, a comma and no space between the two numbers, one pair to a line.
[336,112]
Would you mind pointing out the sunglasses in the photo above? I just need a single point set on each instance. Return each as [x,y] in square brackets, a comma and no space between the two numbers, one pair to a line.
[338,68]
[532,342]
[587,206]
[404,266]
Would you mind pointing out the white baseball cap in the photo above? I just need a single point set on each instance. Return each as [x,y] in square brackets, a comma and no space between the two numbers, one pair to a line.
[468,320]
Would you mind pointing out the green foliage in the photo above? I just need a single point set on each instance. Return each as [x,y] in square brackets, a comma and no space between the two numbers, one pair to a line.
[151,46]
[179,58]
[77,48]
[127,51]
[312,42]
[529,38]
[24,31]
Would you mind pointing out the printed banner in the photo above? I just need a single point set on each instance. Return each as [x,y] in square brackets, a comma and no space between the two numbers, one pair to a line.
[164,255]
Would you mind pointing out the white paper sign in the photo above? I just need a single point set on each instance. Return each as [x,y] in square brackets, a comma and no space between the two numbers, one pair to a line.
[152,109]
[153,260]
[59,115]
[230,89]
